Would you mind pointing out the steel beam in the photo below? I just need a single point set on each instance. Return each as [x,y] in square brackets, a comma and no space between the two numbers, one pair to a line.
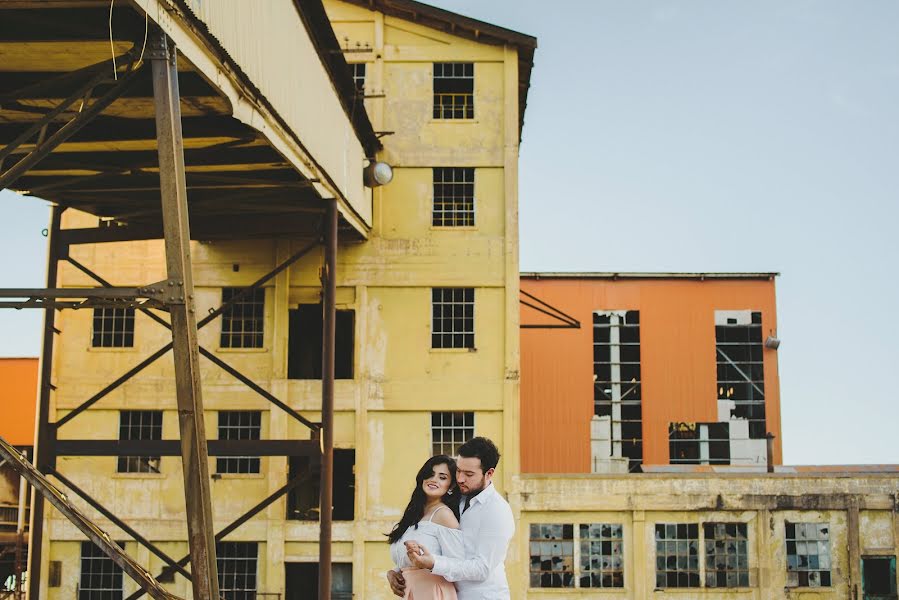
[329,319]
[173,190]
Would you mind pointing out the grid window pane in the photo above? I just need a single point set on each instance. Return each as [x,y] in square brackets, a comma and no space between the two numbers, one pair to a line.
[726,555]
[236,563]
[617,381]
[808,554]
[552,555]
[101,578]
[453,197]
[741,373]
[677,555]
[452,322]
[602,555]
[139,425]
[453,90]
[113,328]
[358,71]
[239,425]
[449,430]
[243,320]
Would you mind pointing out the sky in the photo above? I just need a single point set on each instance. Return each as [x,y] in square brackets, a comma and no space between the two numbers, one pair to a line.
[700,135]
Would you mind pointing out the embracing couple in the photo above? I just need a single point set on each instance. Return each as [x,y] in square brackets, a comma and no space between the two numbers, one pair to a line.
[456,530]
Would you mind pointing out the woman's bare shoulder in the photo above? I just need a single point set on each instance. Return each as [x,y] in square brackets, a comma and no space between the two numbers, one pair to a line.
[445,517]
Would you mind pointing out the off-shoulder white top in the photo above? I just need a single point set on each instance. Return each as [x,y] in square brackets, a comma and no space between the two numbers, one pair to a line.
[438,539]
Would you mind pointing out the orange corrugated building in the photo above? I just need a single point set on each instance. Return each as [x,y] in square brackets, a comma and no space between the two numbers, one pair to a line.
[19,377]
[663,368]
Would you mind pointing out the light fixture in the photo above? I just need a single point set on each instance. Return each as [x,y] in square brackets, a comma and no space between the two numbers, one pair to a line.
[377,173]
[772,342]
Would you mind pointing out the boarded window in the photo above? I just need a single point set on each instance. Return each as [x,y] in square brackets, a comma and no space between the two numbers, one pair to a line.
[239,425]
[139,425]
[303,501]
[452,318]
[617,392]
[677,555]
[449,430]
[741,373]
[236,562]
[726,555]
[101,578]
[808,554]
[552,555]
[244,319]
[113,328]
[453,90]
[453,204]
[602,555]
[304,355]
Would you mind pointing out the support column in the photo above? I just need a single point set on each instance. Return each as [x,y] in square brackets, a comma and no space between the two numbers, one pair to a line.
[855,559]
[44,454]
[329,318]
[173,189]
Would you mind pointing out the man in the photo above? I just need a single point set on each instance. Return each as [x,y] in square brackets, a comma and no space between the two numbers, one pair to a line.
[487,527]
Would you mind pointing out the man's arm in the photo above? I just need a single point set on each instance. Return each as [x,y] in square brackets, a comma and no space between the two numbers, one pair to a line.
[497,529]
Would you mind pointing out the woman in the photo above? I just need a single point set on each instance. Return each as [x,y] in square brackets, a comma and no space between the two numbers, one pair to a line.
[431,520]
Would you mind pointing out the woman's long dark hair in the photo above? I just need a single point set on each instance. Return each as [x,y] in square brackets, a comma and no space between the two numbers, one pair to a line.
[416,509]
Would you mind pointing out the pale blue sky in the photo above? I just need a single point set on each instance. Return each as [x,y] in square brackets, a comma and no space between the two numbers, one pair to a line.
[702,135]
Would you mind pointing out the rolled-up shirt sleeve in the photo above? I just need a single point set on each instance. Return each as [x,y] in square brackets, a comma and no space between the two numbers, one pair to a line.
[490,551]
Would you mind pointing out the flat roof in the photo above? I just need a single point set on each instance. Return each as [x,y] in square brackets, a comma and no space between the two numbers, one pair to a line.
[646,275]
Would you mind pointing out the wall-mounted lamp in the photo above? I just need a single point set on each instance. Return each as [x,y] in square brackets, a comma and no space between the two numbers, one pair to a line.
[772,342]
[377,173]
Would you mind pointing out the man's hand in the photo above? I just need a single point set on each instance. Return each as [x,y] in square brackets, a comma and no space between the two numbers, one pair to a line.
[397,583]
[419,556]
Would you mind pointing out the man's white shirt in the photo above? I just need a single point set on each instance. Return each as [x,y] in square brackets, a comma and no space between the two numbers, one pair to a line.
[487,527]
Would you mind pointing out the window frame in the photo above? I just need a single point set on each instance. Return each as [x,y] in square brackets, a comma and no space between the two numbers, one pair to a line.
[108,569]
[808,569]
[229,339]
[448,218]
[232,465]
[453,429]
[439,108]
[116,315]
[223,560]
[441,335]
[125,465]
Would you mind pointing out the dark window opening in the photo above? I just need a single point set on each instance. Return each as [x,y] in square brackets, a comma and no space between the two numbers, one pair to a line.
[236,562]
[303,500]
[452,318]
[113,328]
[449,430]
[602,555]
[879,578]
[453,90]
[677,555]
[699,443]
[243,321]
[741,373]
[453,197]
[358,71]
[301,581]
[304,354]
[101,578]
[139,425]
[726,555]
[239,425]
[808,554]
[552,555]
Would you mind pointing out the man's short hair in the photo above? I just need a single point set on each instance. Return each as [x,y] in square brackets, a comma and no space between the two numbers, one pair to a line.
[482,448]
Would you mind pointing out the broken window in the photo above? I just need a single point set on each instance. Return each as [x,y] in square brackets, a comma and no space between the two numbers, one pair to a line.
[616,381]
[113,328]
[602,555]
[452,318]
[358,71]
[699,443]
[243,321]
[236,562]
[449,430]
[726,555]
[808,554]
[303,500]
[101,578]
[453,90]
[453,197]
[879,578]
[741,374]
[301,581]
[677,555]
[239,425]
[304,354]
[139,425]
[552,555]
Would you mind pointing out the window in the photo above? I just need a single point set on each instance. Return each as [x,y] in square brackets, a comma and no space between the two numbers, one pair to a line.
[726,555]
[113,328]
[453,90]
[243,321]
[677,555]
[302,580]
[236,562]
[741,376]
[602,556]
[358,71]
[449,430]
[552,555]
[139,425]
[808,554]
[303,501]
[453,197]
[452,322]
[304,354]
[879,578]
[699,443]
[101,578]
[617,390]
[239,425]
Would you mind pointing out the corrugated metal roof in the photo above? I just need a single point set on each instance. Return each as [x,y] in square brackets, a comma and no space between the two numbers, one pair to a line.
[647,275]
